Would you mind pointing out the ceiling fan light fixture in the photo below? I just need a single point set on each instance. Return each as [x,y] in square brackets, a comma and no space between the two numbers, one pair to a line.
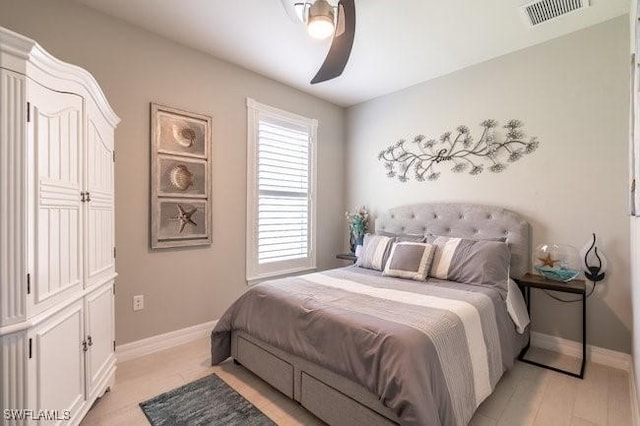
[321,20]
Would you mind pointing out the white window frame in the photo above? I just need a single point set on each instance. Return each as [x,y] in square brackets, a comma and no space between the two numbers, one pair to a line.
[256,272]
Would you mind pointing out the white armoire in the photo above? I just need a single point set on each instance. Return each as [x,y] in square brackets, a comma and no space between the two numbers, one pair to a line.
[57,249]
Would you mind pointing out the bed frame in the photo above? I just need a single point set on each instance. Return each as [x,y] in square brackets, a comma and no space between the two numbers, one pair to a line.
[340,401]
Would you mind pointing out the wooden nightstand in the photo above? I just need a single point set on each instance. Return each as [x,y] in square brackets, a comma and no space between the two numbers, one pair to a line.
[347,256]
[529,281]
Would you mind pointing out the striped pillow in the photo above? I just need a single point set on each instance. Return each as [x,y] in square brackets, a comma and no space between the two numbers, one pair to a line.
[471,261]
[409,260]
[375,251]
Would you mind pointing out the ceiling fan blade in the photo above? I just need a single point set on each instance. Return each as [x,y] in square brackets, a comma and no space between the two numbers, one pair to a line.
[341,45]
[340,27]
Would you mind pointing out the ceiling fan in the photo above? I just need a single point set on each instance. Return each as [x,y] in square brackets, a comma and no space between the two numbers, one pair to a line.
[324,19]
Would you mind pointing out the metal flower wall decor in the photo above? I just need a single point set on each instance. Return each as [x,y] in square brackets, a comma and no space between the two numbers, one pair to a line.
[423,158]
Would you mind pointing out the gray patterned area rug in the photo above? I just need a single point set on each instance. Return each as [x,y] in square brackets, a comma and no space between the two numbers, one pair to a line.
[207,401]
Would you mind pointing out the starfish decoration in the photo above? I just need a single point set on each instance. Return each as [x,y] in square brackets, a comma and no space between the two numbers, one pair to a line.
[547,261]
[184,217]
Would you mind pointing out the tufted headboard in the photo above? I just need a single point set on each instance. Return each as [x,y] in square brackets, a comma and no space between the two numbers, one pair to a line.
[464,220]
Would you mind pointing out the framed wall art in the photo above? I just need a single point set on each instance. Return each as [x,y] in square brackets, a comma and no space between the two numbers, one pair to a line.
[180,178]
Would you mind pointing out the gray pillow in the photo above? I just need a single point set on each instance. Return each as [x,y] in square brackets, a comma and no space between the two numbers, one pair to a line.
[418,238]
[375,251]
[410,260]
[471,261]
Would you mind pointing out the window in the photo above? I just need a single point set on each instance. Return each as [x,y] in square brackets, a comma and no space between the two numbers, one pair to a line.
[280,192]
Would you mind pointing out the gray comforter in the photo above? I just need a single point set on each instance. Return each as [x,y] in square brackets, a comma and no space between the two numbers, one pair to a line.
[431,352]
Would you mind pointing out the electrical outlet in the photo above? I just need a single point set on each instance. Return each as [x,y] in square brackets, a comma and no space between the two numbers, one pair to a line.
[138,302]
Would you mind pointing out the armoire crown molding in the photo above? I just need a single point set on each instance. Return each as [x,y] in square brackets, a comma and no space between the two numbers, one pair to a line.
[19,52]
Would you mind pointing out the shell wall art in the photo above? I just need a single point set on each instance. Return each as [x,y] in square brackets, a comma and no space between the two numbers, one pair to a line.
[180,181]
[180,177]
[459,152]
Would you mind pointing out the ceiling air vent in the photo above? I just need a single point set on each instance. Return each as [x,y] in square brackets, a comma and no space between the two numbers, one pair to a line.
[541,11]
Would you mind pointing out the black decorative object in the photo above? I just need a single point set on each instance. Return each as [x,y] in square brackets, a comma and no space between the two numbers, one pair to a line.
[465,154]
[594,263]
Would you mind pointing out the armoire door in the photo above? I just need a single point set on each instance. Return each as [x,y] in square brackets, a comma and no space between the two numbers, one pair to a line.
[99,327]
[56,364]
[54,136]
[99,234]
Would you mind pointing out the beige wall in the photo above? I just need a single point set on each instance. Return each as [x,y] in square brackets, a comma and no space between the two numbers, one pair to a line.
[572,93]
[134,67]
[635,236]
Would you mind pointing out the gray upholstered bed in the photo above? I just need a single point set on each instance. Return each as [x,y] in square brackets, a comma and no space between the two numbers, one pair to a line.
[350,345]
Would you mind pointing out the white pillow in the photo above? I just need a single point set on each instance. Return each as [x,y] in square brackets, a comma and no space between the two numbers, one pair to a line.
[516,307]
[410,260]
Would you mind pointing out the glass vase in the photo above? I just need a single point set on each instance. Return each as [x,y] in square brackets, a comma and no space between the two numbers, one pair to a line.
[355,240]
[558,262]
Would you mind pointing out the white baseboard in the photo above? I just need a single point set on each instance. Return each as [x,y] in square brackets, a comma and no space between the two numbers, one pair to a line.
[608,357]
[614,359]
[595,354]
[160,342]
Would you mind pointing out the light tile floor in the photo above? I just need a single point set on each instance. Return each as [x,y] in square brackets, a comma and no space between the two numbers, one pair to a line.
[526,395]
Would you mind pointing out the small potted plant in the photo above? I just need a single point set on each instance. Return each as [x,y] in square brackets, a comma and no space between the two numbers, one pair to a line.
[358,221]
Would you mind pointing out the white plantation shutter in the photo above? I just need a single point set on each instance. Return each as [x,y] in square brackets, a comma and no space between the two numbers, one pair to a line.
[280,198]
[283,192]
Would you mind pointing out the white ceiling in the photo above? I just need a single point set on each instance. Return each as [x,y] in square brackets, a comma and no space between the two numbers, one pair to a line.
[398,43]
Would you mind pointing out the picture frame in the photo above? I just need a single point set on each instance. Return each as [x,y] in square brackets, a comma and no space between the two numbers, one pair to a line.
[180,205]
[182,219]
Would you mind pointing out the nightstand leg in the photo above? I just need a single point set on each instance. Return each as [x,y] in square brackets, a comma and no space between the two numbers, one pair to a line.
[584,333]
[521,356]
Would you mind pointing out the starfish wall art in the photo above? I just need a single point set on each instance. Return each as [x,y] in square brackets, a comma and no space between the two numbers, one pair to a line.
[181,170]
[185,217]
[423,158]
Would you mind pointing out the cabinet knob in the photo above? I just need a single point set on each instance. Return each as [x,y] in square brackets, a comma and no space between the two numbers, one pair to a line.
[84,346]
[89,340]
